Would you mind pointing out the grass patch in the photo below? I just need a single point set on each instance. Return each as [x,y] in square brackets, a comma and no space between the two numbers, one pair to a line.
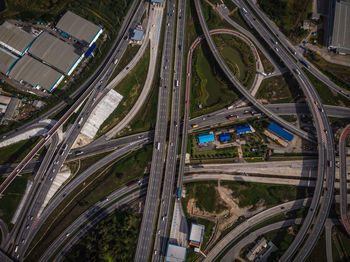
[101,243]
[86,195]
[238,58]
[340,244]
[268,66]
[128,55]
[254,147]
[249,194]
[339,74]
[288,15]
[212,19]
[291,118]
[130,88]
[280,89]
[210,90]
[16,152]
[327,96]
[85,163]
[237,17]
[205,195]
[12,197]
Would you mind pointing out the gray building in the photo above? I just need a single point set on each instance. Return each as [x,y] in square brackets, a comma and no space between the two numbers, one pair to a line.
[339,38]
[30,71]
[7,61]
[15,39]
[56,53]
[79,28]
[175,253]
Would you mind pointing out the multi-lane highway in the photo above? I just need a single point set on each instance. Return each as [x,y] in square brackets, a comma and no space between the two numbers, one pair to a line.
[171,160]
[325,145]
[343,179]
[159,149]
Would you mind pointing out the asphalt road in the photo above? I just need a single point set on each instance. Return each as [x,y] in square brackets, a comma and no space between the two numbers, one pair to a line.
[343,179]
[70,187]
[233,253]
[159,150]
[93,215]
[97,94]
[87,83]
[324,136]
[171,160]
[244,227]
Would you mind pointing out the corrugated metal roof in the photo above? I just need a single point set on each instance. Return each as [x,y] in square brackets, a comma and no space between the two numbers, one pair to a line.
[175,253]
[15,37]
[196,234]
[78,27]
[137,34]
[54,52]
[6,60]
[280,132]
[34,72]
[243,129]
[341,26]
[206,138]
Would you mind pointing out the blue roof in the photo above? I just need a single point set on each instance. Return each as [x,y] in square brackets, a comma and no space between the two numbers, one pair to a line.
[137,34]
[280,132]
[206,138]
[243,129]
[157,1]
[89,51]
[224,137]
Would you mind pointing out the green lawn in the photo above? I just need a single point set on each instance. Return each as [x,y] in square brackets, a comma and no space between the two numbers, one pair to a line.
[327,96]
[130,88]
[129,54]
[338,73]
[206,196]
[12,197]
[85,195]
[210,87]
[212,19]
[16,152]
[280,89]
[288,15]
[238,58]
[101,243]
[268,66]
[249,194]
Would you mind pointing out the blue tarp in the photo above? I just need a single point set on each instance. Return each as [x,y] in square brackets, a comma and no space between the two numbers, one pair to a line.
[280,132]
[243,129]
[206,138]
[89,51]
[224,137]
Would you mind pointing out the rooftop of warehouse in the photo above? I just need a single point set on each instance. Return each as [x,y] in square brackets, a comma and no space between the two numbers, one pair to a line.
[54,51]
[196,233]
[78,27]
[34,72]
[15,37]
[175,253]
[341,28]
[280,132]
[6,60]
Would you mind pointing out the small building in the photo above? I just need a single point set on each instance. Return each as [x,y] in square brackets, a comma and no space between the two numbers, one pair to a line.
[79,28]
[7,61]
[15,39]
[157,2]
[30,71]
[205,138]
[137,35]
[196,235]
[56,53]
[257,248]
[280,132]
[225,137]
[4,102]
[11,108]
[175,253]
[339,36]
[243,129]
[306,25]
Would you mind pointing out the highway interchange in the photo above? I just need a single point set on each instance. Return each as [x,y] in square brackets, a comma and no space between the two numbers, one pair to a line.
[161,186]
